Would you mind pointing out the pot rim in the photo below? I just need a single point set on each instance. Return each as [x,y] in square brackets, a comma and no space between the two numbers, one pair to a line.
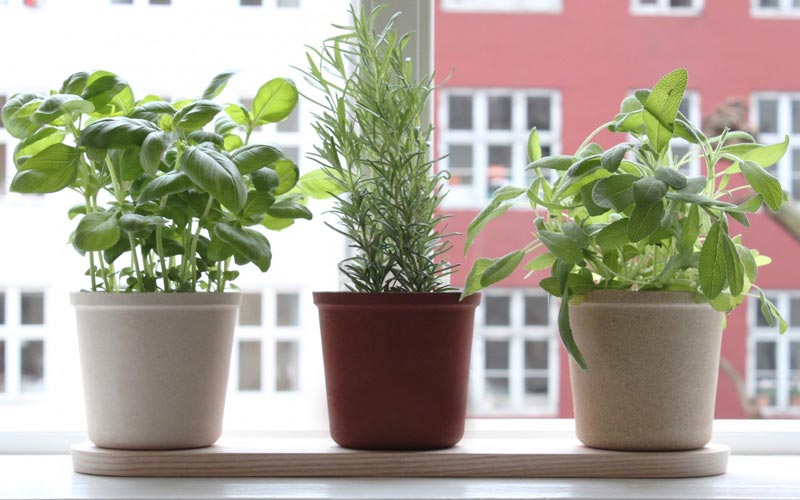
[155,299]
[415,299]
[640,298]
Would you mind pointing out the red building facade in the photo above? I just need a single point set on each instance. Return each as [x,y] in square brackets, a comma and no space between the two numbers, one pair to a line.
[564,66]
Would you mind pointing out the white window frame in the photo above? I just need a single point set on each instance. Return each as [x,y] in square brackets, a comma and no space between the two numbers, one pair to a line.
[782,352]
[784,167]
[488,6]
[516,333]
[785,10]
[663,8]
[481,137]
[14,334]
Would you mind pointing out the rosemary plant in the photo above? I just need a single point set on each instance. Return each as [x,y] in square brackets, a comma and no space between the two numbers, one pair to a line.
[375,147]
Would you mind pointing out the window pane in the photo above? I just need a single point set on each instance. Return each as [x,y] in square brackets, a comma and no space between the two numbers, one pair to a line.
[539,113]
[292,122]
[680,3]
[497,310]
[288,309]
[286,366]
[760,319]
[536,354]
[796,114]
[2,366]
[536,385]
[291,152]
[768,115]
[685,107]
[765,356]
[249,365]
[460,164]
[122,2]
[794,312]
[794,362]
[2,308]
[460,114]
[32,360]
[250,312]
[500,113]
[770,4]
[536,310]
[497,354]
[250,3]
[32,308]
[496,393]
[795,172]
[288,3]
[680,150]
[648,2]
[499,167]
[160,2]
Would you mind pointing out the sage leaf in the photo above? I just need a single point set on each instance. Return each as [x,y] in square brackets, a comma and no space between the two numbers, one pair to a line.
[734,266]
[645,219]
[661,107]
[763,183]
[614,235]
[493,210]
[690,229]
[648,190]
[562,246]
[713,267]
[672,177]
[556,162]
[615,191]
[501,268]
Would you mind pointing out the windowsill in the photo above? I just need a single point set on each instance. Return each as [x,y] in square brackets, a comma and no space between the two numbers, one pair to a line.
[51,477]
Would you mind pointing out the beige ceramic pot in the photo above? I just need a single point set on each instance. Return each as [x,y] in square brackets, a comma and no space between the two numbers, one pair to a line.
[653,360]
[155,366]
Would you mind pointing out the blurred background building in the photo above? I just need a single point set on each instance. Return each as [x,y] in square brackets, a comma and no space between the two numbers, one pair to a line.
[560,65]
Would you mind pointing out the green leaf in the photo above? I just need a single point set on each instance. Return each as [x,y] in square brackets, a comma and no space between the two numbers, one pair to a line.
[223,125]
[614,192]
[41,140]
[586,198]
[661,107]
[613,236]
[288,175]
[163,185]
[196,115]
[495,209]
[152,110]
[275,223]
[17,114]
[766,156]
[645,219]
[648,190]
[116,133]
[232,142]
[238,114]
[252,157]
[763,183]
[562,246]
[265,179]
[97,231]
[48,171]
[102,87]
[672,177]
[201,136]
[555,162]
[473,283]
[274,101]
[501,268]
[542,261]
[319,184]
[534,146]
[575,233]
[134,223]
[694,185]
[712,269]
[217,85]
[258,202]
[153,149]
[248,245]
[734,266]
[216,174]
[75,83]
[565,330]
[584,166]
[690,230]
[59,104]
[289,208]
[612,158]
[751,205]
[127,163]
[749,263]
[699,199]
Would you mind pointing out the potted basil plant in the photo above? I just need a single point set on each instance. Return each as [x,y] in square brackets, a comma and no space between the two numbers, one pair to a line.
[645,263]
[168,205]
[396,345]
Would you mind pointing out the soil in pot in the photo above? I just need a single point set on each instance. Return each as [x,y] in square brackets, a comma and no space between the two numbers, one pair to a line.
[653,361]
[155,366]
[396,367]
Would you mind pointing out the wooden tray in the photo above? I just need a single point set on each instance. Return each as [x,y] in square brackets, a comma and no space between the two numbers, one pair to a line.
[476,457]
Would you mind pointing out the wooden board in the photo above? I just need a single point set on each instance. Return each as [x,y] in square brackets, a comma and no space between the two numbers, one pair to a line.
[477,457]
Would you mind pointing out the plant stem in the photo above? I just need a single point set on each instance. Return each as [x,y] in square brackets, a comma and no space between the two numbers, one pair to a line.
[160,248]
[135,263]
[593,134]
[196,237]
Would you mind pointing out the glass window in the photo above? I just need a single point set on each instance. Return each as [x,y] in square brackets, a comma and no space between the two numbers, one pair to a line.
[499,112]
[249,365]
[765,356]
[288,3]
[536,385]
[2,366]
[122,2]
[536,354]
[497,354]
[247,102]
[32,366]
[160,2]
[460,112]
[794,361]
[768,115]
[496,394]
[460,164]
[794,311]
[2,308]
[769,4]
[499,167]
[681,3]
[3,156]
[287,309]
[539,113]
[250,3]
[286,365]
[796,115]
[250,312]
[32,308]
[292,122]
[760,319]
[291,152]
[536,310]
[498,311]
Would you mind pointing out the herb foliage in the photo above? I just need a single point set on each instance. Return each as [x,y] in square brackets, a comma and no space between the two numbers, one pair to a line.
[626,218]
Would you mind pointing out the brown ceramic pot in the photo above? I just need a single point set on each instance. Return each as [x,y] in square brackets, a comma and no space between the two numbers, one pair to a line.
[396,367]
[653,360]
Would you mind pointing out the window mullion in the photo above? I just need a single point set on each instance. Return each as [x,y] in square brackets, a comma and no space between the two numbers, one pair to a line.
[480,161]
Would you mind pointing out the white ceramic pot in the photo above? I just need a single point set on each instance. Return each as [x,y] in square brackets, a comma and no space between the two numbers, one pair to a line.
[653,360]
[155,366]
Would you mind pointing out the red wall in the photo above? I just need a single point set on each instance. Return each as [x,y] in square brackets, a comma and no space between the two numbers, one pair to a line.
[595,53]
